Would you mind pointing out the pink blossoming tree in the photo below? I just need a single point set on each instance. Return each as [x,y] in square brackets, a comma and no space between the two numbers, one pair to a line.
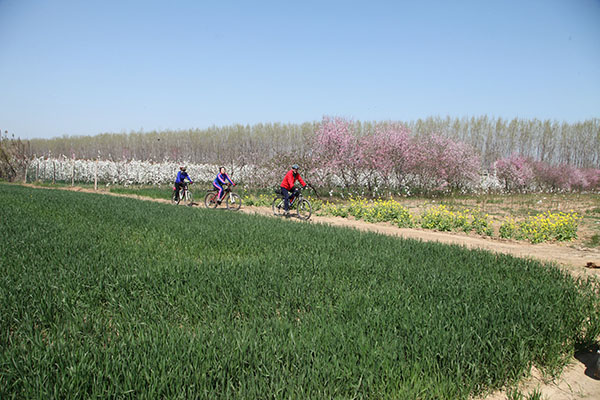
[438,163]
[516,172]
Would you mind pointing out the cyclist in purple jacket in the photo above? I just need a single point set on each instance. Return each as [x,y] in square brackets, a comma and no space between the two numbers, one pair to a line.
[221,179]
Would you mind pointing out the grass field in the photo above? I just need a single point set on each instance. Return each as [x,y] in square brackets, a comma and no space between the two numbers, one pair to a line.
[114,297]
[497,207]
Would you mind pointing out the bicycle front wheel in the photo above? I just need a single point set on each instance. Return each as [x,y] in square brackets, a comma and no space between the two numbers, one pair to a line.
[189,199]
[233,202]
[304,209]
[278,206]
[210,201]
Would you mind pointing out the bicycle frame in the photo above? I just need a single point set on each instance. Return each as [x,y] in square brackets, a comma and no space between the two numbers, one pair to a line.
[183,192]
[226,191]
[296,199]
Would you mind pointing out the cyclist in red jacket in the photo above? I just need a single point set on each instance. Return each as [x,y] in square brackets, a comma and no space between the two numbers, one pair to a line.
[287,186]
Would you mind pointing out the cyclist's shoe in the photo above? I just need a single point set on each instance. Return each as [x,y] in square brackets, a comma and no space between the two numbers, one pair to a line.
[286,214]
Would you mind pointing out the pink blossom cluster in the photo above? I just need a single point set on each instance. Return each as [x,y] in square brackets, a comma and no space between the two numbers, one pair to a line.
[516,172]
[523,174]
[389,155]
[443,163]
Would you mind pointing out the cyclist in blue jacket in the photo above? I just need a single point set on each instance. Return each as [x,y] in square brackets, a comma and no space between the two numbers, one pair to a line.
[221,179]
[180,180]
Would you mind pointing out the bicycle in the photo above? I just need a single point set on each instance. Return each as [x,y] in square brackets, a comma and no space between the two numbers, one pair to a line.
[302,205]
[232,200]
[185,194]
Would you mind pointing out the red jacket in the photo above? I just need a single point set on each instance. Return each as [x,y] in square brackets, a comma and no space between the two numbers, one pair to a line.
[290,179]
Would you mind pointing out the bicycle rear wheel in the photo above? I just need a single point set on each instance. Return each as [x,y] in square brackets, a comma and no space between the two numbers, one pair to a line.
[174,198]
[210,200]
[233,202]
[304,209]
[278,206]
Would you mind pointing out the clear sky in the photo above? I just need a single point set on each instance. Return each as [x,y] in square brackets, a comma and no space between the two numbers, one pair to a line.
[70,67]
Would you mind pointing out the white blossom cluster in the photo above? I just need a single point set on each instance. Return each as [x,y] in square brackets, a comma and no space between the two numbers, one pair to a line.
[489,183]
[115,172]
[150,173]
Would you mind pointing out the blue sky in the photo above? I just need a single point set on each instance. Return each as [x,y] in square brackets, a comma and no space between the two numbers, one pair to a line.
[87,67]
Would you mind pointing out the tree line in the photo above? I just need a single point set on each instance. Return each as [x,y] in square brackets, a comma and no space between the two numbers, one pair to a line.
[552,142]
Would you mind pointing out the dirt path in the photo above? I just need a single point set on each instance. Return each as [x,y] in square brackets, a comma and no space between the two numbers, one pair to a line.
[576,381]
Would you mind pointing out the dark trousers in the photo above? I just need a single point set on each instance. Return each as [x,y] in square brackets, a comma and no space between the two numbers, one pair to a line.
[178,186]
[287,197]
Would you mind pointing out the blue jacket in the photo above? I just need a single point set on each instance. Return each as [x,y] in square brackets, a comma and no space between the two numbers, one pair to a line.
[221,179]
[181,175]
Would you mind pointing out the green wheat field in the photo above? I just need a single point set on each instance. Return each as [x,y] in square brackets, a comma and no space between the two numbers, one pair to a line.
[114,297]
